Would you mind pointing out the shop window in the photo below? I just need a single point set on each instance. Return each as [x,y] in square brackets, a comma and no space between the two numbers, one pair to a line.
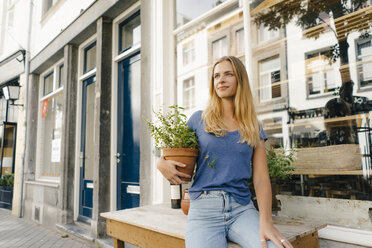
[321,76]
[90,54]
[219,48]
[189,93]
[130,32]
[364,63]
[48,83]
[270,79]
[188,53]
[50,126]
[7,152]
[239,41]
[264,34]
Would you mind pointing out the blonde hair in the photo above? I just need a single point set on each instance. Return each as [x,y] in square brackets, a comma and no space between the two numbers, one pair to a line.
[244,107]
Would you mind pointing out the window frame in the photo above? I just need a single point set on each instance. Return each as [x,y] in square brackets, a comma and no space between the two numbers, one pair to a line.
[192,101]
[126,21]
[188,51]
[53,70]
[321,72]
[85,51]
[219,39]
[360,62]
[260,73]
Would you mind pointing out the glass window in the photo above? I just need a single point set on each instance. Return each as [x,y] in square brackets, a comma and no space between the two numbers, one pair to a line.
[60,76]
[264,34]
[364,63]
[219,48]
[48,4]
[48,84]
[321,76]
[130,32]
[188,53]
[188,10]
[90,54]
[270,79]
[50,137]
[9,146]
[240,41]
[189,93]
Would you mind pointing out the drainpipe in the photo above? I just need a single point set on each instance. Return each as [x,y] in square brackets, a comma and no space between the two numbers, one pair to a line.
[25,97]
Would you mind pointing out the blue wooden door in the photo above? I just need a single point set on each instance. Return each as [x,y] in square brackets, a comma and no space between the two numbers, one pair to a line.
[87,150]
[128,136]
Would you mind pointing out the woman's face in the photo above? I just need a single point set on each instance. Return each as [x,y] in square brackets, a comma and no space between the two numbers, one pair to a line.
[225,83]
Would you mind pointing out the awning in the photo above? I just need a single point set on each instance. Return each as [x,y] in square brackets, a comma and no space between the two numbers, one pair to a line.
[12,66]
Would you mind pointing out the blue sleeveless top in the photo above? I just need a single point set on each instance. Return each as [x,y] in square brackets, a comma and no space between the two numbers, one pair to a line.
[223,163]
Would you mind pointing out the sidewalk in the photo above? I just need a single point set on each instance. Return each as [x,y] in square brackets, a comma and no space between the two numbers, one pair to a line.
[16,232]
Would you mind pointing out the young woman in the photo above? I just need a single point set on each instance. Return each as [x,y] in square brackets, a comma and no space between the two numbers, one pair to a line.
[229,136]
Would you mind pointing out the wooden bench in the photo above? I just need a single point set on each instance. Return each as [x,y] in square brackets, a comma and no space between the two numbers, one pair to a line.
[159,226]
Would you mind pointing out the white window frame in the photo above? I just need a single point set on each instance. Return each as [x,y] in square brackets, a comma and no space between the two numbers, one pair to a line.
[192,91]
[44,8]
[219,43]
[269,35]
[56,90]
[360,62]
[323,74]
[240,47]
[267,72]
[81,77]
[188,53]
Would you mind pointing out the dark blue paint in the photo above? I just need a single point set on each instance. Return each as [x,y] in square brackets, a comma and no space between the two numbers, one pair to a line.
[129,95]
[86,194]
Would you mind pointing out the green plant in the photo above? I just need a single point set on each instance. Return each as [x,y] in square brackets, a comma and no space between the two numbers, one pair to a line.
[172,131]
[7,180]
[280,162]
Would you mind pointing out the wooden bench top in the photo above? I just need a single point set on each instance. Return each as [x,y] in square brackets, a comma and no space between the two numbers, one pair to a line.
[163,220]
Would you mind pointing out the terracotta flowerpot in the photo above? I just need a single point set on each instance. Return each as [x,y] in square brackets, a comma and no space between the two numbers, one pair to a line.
[186,156]
[185,202]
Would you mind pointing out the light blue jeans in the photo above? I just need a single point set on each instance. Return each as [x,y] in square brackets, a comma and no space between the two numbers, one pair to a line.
[215,217]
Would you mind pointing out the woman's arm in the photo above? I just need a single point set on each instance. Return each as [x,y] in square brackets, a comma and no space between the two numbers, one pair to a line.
[169,171]
[261,182]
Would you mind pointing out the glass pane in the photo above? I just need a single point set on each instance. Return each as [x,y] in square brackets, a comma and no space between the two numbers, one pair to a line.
[50,136]
[240,41]
[60,74]
[90,57]
[188,10]
[48,84]
[130,33]
[270,65]
[89,125]
[8,149]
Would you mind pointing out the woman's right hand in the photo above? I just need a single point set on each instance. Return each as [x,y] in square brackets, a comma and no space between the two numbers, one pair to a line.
[169,171]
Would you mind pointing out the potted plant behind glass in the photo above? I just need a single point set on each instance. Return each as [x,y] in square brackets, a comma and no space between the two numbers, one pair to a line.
[6,191]
[280,165]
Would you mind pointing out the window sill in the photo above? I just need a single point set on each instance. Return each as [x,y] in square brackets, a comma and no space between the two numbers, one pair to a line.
[364,89]
[320,96]
[42,183]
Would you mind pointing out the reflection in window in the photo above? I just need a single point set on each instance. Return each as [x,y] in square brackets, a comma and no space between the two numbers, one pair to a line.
[219,48]
[188,10]
[50,137]
[264,34]
[364,65]
[90,57]
[60,75]
[321,77]
[48,84]
[240,41]
[188,53]
[273,130]
[130,32]
[48,4]
[189,93]
[270,79]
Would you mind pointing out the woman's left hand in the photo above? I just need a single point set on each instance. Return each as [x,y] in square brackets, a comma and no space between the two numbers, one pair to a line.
[269,232]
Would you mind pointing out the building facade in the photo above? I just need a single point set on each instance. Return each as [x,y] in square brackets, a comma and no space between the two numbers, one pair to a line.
[98,68]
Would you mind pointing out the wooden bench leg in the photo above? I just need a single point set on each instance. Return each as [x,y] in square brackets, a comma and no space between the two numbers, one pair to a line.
[118,243]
